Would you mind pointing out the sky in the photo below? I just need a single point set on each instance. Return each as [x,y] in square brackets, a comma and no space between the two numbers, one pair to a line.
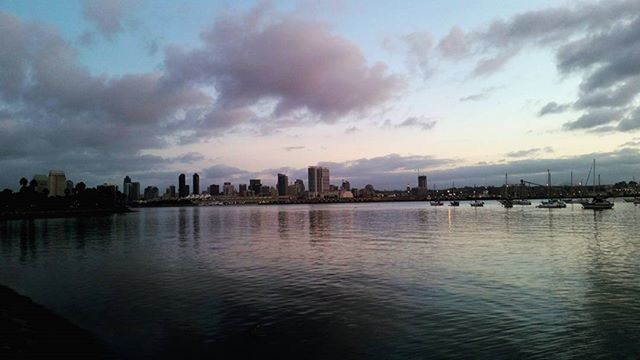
[378,91]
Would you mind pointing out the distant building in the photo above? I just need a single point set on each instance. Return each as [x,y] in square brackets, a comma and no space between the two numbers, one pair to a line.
[151,193]
[57,182]
[255,185]
[214,190]
[68,186]
[126,186]
[42,182]
[318,179]
[299,184]
[283,183]
[242,189]
[182,186]
[265,190]
[196,184]
[134,192]
[346,186]
[422,181]
[228,189]
[172,191]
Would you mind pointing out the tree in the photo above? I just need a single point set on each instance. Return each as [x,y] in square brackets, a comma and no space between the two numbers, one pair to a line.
[80,187]
[24,182]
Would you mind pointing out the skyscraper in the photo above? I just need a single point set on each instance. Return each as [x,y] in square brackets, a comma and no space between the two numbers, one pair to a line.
[214,190]
[255,185]
[57,182]
[422,182]
[313,180]
[283,182]
[134,193]
[126,186]
[182,185]
[324,180]
[196,184]
[172,191]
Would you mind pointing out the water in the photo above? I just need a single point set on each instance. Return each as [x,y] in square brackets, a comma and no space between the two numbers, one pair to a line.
[387,281]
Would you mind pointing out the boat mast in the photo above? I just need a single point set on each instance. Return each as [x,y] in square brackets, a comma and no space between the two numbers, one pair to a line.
[548,183]
[594,177]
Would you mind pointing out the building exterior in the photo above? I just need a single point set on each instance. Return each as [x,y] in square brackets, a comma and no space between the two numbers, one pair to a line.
[134,192]
[346,186]
[214,190]
[283,183]
[255,185]
[422,181]
[126,186]
[151,193]
[228,189]
[299,184]
[42,182]
[319,180]
[68,186]
[242,189]
[57,182]
[196,184]
[172,191]
[182,186]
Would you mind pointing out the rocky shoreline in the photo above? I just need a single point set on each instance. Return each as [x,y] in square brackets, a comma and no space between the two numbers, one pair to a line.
[28,330]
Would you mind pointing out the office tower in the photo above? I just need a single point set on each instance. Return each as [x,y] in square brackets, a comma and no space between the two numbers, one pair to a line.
[126,186]
[172,191]
[228,189]
[242,189]
[42,182]
[325,180]
[214,190]
[313,180]
[346,186]
[283,182]
[182,186]
[151,193]
[196,184]
[422,182]
[134,192]
[255,185]
[299,184]
[56,182]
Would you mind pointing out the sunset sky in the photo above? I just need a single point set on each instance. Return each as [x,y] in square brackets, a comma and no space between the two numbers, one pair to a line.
[464,91]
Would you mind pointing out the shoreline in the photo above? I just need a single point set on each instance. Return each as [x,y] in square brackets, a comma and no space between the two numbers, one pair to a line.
[28,330]
[52,214]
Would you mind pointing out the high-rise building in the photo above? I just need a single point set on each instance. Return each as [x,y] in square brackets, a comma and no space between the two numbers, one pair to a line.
[57,182]
[172,191]
[151,193]
[134,192]
[283,182]
[214,190]
[299,186]
[346,186]
[325,180]
[422,182]
[242,189]
[255,185]
[318,180]
[41,181]
[126,186]
[196,184]
[182,186]
[313,180]
[228,189]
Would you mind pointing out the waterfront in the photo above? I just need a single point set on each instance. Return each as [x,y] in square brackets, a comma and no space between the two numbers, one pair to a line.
[389,280]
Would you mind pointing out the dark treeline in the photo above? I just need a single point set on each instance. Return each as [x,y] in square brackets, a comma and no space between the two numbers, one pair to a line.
[28,202]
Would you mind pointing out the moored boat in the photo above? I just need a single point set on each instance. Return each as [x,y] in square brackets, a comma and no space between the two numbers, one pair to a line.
[552,204]
[521,202]
[436,203]
[454,203]
[477,203]
[598,203]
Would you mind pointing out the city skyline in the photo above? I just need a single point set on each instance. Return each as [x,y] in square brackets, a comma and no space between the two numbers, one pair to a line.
[106,89]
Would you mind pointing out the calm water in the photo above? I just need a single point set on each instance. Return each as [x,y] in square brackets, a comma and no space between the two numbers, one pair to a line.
[388,281]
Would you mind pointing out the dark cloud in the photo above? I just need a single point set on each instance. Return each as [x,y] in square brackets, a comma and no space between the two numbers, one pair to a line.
[553,108]
[108,15]
[595,118]
[529,152]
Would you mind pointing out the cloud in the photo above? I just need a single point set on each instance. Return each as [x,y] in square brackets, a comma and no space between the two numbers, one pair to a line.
[455,44]
[291,148]
[419,46]
[594,118]
[474,97]
[599,41]
[553,108]
[421,122]
[352,130]
[108,15]
[295,65]
[529,152]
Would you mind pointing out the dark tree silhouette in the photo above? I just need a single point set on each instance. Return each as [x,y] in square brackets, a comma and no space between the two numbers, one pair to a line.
[80,187]
[24,182]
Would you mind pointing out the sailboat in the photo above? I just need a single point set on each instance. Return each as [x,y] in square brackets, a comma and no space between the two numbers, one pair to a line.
[598,203]
[551,203]
[506,200]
